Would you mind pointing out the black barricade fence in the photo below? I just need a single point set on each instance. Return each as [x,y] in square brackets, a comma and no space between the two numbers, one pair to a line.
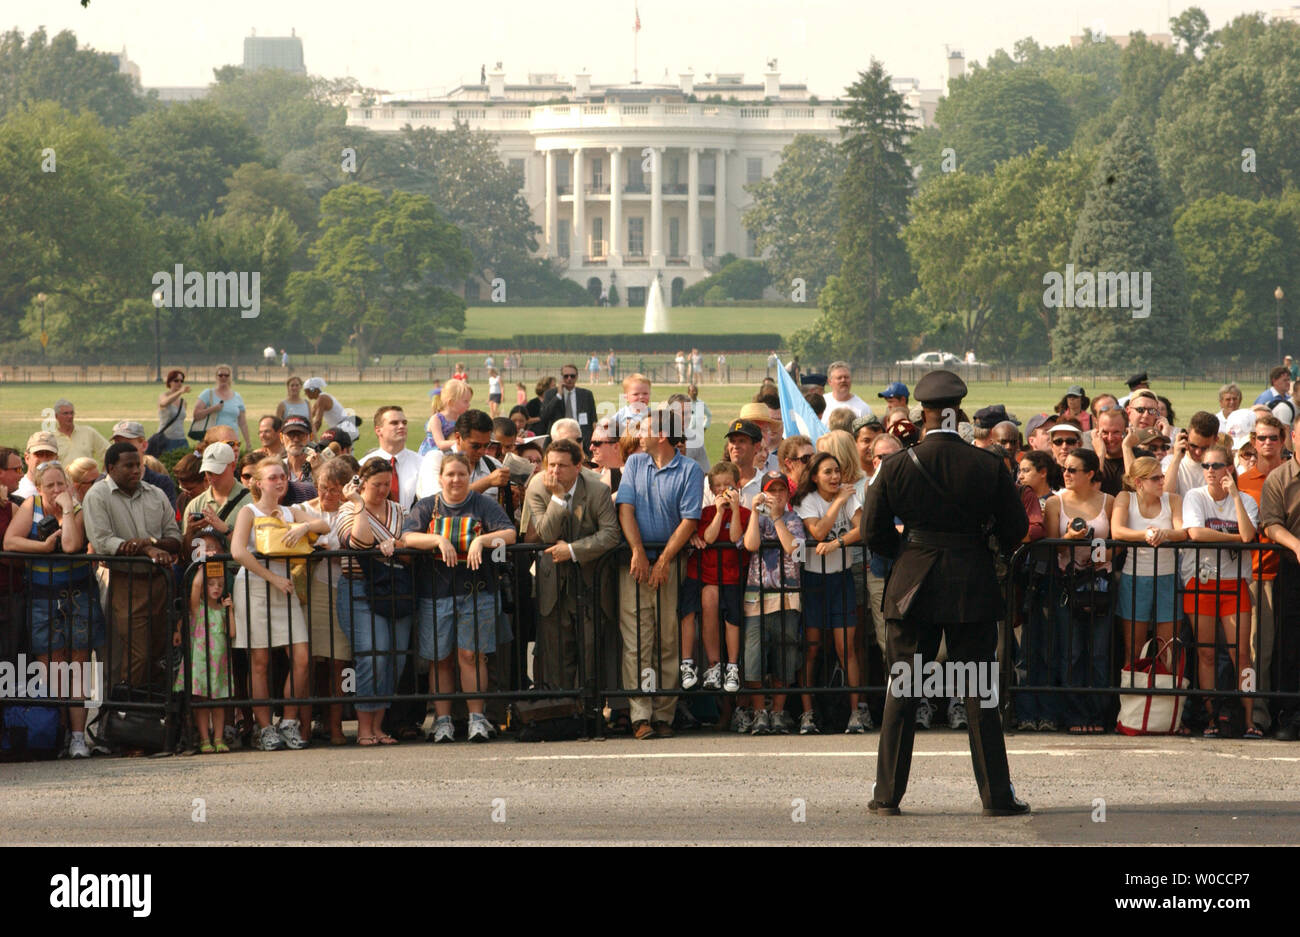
[85,632]
[387,632]
[1092,623]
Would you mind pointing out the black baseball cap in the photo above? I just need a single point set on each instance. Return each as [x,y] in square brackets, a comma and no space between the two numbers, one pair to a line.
[295,424]
[1135,380]
[989,417]
[745,428]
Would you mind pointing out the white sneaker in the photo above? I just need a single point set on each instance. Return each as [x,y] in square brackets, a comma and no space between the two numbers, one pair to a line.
[859,722]
[762,723]
[290,731]
[443,730]
[268,740]
[480,730]
[808,724]
[77,747]
[689,675]
[713,678]
[732,683]
[957,715]
[924,713]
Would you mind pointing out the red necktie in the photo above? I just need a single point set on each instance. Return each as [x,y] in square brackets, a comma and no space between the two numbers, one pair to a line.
[393,492]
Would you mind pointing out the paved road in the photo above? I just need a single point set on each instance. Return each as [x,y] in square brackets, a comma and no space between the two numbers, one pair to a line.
[695,789]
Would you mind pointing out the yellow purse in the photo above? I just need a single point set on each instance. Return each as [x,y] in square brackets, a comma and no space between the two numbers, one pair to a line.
[268,538]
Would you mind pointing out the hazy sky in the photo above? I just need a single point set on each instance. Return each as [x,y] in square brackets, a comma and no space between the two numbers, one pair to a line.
[411,45]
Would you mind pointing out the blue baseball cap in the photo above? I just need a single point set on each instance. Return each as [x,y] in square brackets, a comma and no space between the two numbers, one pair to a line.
[896,389]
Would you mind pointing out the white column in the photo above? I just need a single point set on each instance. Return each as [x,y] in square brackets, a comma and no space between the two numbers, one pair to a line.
[693,257]
[578,248]
[615,253]
[720,204]
[552,206]
[657,207]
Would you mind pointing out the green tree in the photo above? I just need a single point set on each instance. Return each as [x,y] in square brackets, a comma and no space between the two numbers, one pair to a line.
[1230,123]
[794,212]
[254,192]
[179,156]
[391,264]
[75,232]
[738,279]
[43,69]
[1125,227]
[462,172]
[873,198]
[1236,251]
[1192,30]
[285,111]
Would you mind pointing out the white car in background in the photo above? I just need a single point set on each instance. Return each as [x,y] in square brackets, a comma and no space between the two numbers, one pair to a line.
[932,359]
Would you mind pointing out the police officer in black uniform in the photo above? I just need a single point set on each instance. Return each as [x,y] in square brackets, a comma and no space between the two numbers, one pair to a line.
[950,497]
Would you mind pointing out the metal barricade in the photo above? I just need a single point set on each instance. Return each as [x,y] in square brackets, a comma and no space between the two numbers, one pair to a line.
[1081,629]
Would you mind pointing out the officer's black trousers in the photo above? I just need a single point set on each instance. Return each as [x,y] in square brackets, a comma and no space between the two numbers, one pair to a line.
[967,641]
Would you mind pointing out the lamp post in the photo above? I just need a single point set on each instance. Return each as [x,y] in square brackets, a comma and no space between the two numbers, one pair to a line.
[45,339]
[1279,295]
[157,333]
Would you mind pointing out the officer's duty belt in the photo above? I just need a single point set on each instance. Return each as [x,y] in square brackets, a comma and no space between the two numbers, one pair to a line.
[939,540]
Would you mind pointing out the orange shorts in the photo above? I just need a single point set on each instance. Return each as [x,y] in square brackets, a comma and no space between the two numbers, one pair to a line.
[1223,598]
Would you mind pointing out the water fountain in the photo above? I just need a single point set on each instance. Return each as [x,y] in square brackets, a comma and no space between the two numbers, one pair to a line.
[656,319]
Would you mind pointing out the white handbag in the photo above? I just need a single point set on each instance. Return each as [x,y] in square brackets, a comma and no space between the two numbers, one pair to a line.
[1153,714]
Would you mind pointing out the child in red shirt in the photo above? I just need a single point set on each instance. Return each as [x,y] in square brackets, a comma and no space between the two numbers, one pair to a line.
[713,587]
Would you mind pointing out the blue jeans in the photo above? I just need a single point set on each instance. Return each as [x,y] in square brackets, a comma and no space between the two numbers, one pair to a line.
[1035,656]
[1082,659]
[377,643]
[171,444]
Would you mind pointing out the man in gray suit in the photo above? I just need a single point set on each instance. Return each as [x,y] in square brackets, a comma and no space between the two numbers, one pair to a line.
[575,514]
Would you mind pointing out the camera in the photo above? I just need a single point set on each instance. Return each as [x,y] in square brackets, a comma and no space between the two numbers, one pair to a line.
[356,481]
[317,446]
[46,527]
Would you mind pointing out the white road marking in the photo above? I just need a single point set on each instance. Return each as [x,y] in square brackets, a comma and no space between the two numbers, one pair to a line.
[960,753]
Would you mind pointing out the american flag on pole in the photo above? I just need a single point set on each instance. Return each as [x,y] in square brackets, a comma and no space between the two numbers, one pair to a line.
[638,18]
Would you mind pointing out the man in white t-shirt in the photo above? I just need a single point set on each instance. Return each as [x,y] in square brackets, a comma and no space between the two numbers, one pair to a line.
[1182,467]
[841,383]
[473,435]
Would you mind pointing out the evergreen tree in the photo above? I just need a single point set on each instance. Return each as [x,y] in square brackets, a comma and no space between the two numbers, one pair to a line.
[1125,227]
[873,194]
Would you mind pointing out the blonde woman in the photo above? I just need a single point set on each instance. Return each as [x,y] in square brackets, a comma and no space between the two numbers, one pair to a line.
[67,620]
[82,473]
[447,408]
[267,613]
[840,444]
[1148,516]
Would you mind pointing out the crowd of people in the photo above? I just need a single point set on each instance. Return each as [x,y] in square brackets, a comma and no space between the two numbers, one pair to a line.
[656,565]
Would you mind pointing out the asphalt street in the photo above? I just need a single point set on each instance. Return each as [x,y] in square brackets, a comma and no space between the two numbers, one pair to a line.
[697,789]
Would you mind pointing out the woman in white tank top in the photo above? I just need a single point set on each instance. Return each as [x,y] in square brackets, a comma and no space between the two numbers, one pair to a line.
[1148,517]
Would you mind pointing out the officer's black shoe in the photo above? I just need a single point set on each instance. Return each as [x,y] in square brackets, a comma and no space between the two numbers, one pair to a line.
[1286,728]
[882,809]
[1013,809]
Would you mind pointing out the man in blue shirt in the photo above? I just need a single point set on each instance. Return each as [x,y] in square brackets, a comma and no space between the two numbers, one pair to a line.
[1279,380]
[659,503]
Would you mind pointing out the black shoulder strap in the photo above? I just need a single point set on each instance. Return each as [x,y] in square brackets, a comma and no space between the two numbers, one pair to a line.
[944,497]
[231,505]
[180,411]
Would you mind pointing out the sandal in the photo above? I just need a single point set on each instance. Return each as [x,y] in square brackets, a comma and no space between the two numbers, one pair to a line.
[366,741]
[1078,730]
[220,748]
[1211,731]
[205,747]
[1253,733]
[385,740]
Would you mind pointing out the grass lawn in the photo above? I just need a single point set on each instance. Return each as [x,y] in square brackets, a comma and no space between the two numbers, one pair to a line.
[505,321]
[102,405]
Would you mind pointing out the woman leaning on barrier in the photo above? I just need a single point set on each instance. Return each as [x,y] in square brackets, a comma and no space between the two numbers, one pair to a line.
[330,647]
[67,622]
[268,613]
[459,604]
[1149,516]
[380,634]
[1081,511]
[1217,514]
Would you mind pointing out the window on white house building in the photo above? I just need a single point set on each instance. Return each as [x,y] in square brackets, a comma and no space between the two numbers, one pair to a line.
[636,236]
[753,169]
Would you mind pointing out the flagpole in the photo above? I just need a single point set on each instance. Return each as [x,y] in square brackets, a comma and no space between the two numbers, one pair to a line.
[636,41]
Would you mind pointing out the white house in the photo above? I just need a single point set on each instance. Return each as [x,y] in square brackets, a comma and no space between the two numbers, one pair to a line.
[629,182]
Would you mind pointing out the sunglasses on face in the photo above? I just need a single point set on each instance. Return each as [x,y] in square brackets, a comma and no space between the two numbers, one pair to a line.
[1213,466]
[1159,448]
[476,446]
[223,374]
[805,459]
[1268,438]
[1065,442]
[246,476]
[602,442]
[1070,471]
[1144,409]
[573,375]
[1155,478]
[1005,440]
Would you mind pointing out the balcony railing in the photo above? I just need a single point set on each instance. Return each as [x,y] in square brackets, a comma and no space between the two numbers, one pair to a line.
[597,188]
[636,188]
[676,261]
[631,259]
[562,188]
[674,188]
[594,260]
[708,188]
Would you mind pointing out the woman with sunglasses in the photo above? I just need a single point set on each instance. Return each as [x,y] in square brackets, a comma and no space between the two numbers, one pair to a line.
[1038,476]
[171,411]
[222,405]
[1081,511]
[67,622]
[1215,592]
[1149,516]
